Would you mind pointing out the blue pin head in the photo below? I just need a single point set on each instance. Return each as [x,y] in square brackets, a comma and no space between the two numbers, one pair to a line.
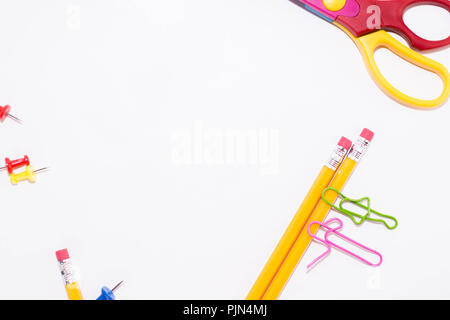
[107,294]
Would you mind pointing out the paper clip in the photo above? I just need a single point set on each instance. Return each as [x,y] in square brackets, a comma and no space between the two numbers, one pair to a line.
[329,244]
[359,203]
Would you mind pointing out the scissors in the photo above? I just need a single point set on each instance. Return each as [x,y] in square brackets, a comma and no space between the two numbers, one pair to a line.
[366,22]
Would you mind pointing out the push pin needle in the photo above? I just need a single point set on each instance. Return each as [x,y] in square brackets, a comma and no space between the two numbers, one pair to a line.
[41,169]
[15,118]
[117,286]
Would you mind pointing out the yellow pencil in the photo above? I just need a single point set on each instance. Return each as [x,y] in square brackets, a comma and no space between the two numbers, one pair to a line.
[299,220]
[319,214]
[72,287]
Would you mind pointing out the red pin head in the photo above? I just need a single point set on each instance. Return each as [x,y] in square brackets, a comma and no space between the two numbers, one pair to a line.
[13,164]
[4,112]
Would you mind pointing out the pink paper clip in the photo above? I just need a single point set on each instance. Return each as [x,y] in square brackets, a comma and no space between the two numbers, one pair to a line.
[329,244]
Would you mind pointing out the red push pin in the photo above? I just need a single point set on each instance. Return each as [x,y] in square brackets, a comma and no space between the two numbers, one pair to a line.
[14,164]
[4,112]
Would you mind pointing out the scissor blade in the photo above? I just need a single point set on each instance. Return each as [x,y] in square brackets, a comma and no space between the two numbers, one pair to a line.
[312,10]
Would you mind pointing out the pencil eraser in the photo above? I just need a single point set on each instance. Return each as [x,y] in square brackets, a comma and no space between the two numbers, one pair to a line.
[62,254]
[345,143]
[367,134]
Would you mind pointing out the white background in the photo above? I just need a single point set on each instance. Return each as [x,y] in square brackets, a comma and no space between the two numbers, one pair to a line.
[103,87]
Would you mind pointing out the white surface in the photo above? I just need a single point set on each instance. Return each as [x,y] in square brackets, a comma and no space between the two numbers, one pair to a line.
[106,90]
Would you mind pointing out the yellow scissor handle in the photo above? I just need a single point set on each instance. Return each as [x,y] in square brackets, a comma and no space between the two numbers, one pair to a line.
[371,42]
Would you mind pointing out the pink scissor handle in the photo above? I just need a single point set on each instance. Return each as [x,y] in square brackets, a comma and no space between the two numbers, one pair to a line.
[391,19]
[330,244]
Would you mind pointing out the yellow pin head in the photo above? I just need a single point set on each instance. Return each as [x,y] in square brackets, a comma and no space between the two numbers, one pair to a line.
[28,174]
[334,5]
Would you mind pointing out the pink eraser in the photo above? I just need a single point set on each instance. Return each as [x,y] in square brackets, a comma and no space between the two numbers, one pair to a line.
[367,134]
[345,143]
[62,254]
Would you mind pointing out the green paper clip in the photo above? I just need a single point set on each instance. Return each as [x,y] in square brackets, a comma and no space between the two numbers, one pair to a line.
[355,216]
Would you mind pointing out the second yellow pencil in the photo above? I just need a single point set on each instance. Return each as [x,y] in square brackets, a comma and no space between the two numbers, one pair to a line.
[319,214]
[298,222]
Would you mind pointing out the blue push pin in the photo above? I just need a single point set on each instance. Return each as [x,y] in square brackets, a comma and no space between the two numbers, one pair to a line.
[108,294]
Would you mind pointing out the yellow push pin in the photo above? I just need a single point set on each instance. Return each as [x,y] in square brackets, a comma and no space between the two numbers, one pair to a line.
[29,174]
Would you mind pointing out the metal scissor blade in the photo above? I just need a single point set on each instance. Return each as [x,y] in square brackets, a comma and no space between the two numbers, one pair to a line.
[313,11]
